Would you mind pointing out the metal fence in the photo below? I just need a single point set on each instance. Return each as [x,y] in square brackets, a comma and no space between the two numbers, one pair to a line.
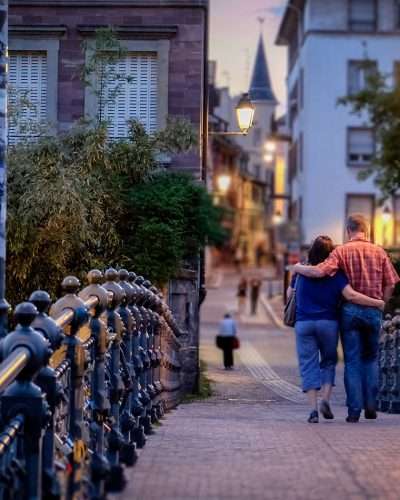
[82,386]
[389,365]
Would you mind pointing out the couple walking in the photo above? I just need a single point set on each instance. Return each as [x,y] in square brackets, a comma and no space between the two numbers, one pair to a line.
[342,289]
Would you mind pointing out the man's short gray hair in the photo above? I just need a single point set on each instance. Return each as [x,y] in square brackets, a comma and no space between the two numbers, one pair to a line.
[357,223]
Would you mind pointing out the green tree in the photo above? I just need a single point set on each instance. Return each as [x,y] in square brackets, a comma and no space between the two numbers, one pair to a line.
[78,200]
[380,101]
[169,219]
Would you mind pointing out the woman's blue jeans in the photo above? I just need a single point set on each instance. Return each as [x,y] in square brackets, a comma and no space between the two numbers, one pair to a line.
[317,343]
[360,328]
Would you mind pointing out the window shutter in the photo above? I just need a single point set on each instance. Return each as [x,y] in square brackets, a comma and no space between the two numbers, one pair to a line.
[361,142]
[136,98]
[361,146]
[359,73]
[28,80]
[354,78]
[362,15]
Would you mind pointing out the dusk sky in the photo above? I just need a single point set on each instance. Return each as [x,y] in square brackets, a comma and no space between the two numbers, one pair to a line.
[234,35]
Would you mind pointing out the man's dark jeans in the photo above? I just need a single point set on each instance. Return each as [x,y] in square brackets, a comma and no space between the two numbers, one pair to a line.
[360,327]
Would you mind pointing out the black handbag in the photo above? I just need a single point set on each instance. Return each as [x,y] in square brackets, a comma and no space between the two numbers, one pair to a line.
[289,313]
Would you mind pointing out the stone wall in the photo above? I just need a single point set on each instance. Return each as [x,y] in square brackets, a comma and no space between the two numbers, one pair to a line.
[184,302]
[182,25]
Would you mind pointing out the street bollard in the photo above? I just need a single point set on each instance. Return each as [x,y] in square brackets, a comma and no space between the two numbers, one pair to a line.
[26,398]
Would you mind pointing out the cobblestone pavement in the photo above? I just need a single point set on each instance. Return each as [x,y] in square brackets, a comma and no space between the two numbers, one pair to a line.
[250,442]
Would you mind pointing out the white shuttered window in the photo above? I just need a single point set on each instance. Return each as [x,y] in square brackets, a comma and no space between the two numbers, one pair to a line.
[361,146]
[363,15]
[133,94]
[28,93]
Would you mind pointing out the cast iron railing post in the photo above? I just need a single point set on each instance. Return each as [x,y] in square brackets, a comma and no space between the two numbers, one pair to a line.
[115,324]
[76,355]
[128,420]
[26,398]
[47,381]
[137,407]
[100,405]
[145,420]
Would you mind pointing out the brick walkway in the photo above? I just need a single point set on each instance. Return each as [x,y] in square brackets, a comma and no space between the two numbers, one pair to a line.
[249,442]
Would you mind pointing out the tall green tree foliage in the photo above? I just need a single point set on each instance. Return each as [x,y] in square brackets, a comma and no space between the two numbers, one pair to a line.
[170,218]
[380,101]
[78,201]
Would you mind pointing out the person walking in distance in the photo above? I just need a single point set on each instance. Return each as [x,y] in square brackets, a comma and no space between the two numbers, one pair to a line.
[255,287]
[226,338]
[370,272]
[242,295]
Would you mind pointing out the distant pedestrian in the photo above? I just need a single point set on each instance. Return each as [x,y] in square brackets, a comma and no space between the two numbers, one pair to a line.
[242,295]
[259,255]
[238,259]
[227,339]
[255,288]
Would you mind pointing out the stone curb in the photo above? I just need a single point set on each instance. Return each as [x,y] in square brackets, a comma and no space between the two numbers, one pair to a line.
[270,311]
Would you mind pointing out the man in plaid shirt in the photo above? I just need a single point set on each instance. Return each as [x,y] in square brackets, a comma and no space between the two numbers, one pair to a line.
[370,272]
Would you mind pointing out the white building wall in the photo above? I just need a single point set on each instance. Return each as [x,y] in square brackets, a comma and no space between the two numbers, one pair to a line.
[326,178]
[327,15]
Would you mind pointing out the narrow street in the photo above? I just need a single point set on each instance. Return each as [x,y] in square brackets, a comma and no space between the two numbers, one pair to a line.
[251,440]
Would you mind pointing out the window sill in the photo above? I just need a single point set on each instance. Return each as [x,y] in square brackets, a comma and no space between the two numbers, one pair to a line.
[358,165]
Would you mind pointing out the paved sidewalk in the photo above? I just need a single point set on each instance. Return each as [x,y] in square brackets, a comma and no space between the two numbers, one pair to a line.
[250,440]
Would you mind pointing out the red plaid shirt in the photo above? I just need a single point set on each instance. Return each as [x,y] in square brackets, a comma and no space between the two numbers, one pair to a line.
[367,266]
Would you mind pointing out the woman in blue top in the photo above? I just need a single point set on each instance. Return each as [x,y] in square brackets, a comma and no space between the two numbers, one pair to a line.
[317,329]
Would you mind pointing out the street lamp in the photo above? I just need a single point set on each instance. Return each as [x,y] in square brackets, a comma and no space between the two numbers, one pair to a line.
[277,218]
[245,110]
[245,113]
[224,183]
[270,146]
[269,157]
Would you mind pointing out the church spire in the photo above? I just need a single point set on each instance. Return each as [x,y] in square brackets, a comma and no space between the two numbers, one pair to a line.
[260,87]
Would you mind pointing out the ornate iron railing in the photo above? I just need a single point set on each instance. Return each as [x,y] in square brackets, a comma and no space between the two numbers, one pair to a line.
[389,365]
[82,386]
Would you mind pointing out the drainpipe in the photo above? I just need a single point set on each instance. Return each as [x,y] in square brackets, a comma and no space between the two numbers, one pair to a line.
[204,141]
